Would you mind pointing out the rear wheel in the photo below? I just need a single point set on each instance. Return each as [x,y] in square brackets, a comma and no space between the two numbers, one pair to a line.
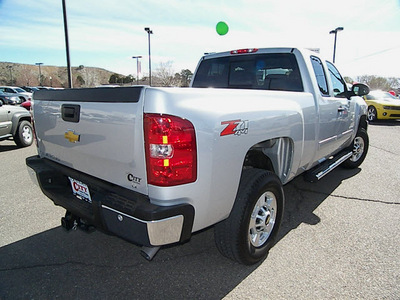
[252,227]
[360,149]
[24,134]
[372,114]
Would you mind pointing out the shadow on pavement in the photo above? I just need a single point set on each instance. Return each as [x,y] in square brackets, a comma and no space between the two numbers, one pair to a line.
[5,148]
[385,123]
[79,265]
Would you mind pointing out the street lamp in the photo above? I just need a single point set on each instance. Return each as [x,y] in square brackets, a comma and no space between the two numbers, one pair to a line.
[69,71]
[147,29]
[10,68]
[137,68]
[335,31]
[40,73]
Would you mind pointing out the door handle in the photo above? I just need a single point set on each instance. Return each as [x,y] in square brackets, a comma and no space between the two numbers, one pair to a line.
[71,112]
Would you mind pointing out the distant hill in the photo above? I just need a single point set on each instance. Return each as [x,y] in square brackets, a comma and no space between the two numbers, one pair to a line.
[28,75]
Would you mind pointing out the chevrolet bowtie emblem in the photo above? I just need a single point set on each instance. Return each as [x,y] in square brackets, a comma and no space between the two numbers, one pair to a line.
[72,137]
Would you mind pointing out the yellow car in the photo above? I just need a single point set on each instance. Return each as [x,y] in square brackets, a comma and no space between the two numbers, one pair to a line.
[382,105]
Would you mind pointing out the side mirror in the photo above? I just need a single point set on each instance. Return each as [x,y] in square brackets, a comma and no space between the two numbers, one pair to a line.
[359,89]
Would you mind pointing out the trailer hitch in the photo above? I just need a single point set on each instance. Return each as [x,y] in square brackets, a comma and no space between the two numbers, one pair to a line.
[73,222]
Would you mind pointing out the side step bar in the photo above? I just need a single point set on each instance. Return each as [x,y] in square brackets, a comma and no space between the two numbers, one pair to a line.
[327,166]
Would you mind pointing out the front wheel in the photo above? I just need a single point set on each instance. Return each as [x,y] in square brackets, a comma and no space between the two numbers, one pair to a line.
[372,114]
[24,134]
[252,227]
[360,149]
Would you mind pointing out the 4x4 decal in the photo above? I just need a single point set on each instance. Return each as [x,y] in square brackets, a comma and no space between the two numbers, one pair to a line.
[236,127]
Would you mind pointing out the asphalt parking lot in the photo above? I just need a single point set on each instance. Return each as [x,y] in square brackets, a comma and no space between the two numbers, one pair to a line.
[339,240]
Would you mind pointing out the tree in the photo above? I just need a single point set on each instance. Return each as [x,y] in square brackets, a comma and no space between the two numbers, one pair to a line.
[164,75]
[379,83]
[128,79]
[348,79]
[394,82]
[185,77]
[79,80]
[114,78]
[27,76]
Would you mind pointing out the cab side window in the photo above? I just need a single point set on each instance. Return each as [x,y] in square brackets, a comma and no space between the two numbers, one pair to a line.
[320,76]
[339,85]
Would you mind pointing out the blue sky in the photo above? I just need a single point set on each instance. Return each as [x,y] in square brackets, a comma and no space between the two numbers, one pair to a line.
[107,34]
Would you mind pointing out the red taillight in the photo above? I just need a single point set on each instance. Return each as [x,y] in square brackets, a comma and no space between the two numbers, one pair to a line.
[170,145]
[243,51]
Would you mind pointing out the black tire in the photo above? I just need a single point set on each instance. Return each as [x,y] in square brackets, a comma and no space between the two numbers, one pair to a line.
[24,135]
[250,231]
[372,114]
[360,149]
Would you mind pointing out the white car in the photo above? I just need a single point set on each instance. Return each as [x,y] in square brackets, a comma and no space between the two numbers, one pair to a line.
[22,94]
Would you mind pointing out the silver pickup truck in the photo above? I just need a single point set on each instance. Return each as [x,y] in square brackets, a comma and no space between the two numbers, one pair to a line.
[153,165]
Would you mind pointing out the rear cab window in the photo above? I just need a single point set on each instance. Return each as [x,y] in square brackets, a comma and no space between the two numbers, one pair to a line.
[277,71]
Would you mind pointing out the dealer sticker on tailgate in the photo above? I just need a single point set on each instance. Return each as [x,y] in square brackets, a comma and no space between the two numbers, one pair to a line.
[80,190]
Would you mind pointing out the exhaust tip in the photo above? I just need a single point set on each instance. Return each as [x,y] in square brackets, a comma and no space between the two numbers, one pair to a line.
[149,252]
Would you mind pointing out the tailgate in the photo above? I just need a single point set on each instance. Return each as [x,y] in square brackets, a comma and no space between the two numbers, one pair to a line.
[98,131]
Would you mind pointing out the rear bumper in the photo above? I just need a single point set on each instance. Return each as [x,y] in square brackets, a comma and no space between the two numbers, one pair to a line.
[115,209]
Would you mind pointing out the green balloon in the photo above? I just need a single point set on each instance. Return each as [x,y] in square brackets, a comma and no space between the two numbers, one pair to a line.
[222,28]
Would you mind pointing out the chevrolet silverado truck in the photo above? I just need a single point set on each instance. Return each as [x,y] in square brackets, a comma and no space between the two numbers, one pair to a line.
[154,165]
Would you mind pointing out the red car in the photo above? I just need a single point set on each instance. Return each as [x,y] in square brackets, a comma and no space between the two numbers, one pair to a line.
[26,104]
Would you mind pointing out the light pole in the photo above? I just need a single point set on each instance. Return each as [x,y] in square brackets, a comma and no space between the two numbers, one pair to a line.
[69,71]
[147,29]
[10,68]
[335,31]
[40,73]
[137,68]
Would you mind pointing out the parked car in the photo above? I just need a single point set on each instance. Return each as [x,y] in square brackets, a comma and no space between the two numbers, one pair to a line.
[15,123]
[382,105]
[43,88]
[27,104]
[29,89]
[22,94]
[7,98]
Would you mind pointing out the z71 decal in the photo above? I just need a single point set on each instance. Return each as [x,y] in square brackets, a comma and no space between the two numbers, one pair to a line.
[236,127]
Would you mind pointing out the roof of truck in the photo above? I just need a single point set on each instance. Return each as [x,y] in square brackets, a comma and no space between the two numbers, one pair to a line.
[247,51]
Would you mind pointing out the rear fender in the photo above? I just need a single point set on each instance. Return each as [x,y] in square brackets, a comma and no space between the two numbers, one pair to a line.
[274,155]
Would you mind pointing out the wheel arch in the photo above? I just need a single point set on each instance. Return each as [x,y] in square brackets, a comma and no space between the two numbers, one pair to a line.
[363,122]
[17,118]
[275,155]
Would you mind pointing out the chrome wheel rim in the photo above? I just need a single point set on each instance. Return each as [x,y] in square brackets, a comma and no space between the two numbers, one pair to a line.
[262,219]
[27,134]
[358,149]
[371,114]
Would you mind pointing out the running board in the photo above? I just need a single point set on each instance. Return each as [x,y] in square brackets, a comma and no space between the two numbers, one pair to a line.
[326,167]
